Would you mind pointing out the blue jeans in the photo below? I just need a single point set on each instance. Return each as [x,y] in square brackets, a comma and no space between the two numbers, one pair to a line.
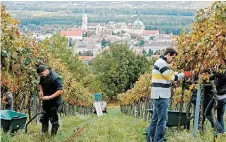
[219,122]
[156,129]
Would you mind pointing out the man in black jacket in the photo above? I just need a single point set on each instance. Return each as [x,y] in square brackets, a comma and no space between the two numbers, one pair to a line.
[220,80]
[50,90]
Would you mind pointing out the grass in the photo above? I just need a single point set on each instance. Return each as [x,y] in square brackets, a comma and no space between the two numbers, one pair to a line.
[67,126]
[111,127]
[114,127]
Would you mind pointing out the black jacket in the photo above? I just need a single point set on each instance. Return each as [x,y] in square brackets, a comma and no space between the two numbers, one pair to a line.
[50,84]
[221,83]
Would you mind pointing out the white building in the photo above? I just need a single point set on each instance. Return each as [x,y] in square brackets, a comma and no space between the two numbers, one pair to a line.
[137,27]
[72,34]
[150,34]
[165,38]
[155,46]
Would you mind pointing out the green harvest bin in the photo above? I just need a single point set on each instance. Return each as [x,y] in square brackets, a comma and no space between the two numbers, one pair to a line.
[97,97]
[173,117]
[12,120]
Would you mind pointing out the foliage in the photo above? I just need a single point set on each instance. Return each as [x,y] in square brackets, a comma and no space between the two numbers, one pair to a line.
[19,56]
[176,97]
[170,20]
[140,89]
[150,52]
[74,92]
[205,45]
[118,68]
[72,69]
[104,43]
[141,43]
[57,46]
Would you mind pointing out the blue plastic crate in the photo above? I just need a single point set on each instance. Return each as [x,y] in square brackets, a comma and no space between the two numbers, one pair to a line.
[97,97]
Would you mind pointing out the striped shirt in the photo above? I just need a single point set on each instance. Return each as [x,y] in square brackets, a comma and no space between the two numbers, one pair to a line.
[162,77]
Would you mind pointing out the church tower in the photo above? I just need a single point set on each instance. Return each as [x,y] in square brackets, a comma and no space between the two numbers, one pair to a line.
[84,22]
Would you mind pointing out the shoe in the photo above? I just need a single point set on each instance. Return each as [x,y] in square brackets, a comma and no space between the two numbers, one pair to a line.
[54,131]
[45,129]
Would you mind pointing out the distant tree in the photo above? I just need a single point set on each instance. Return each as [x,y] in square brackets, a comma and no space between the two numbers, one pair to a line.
[84,34]
[123,32]
[58,47]
[151,38]
[69,42]
[87,53]
[144,52]
[142,42]
[118,68]
[113,33]
[104,43]
[150,52]
[158,52]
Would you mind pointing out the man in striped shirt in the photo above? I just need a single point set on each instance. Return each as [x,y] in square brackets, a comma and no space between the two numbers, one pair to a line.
[162,77]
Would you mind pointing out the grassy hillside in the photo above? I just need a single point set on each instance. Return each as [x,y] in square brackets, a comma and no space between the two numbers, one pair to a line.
[112,127]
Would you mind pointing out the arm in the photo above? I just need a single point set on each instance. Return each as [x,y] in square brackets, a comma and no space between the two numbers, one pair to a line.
[170,75]
[40,93]
[4,100]
[56,94]
[59,87]
[7,100]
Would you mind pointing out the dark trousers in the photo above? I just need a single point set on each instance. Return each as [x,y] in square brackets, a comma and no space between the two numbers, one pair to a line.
[51,114]
[219,121]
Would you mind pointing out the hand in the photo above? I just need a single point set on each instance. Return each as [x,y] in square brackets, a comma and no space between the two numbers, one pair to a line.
[4,97]
[45,98]
[187,74]
[177,83]
[40,95]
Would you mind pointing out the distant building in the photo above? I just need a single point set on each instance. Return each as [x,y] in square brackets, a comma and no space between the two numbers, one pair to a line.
[138,50]
[72,34]
[137,27]
[96,27]
[165,38]
[150,34]
[42,37]
[156,46]
[86,59]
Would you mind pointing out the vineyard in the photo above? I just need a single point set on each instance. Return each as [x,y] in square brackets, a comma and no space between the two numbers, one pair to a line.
[19,58]
[204,47]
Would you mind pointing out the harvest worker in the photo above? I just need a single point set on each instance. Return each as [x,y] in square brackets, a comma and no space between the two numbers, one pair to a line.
[162,77]
[50,90]
[7,98]
[220,81]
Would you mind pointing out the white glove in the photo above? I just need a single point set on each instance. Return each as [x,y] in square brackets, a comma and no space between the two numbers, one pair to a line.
[180,75]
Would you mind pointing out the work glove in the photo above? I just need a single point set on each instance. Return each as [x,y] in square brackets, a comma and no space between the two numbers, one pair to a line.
[187,74]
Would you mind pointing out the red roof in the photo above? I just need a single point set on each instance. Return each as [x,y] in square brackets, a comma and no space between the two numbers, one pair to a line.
[77,32]
[146,32]
[85,58]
